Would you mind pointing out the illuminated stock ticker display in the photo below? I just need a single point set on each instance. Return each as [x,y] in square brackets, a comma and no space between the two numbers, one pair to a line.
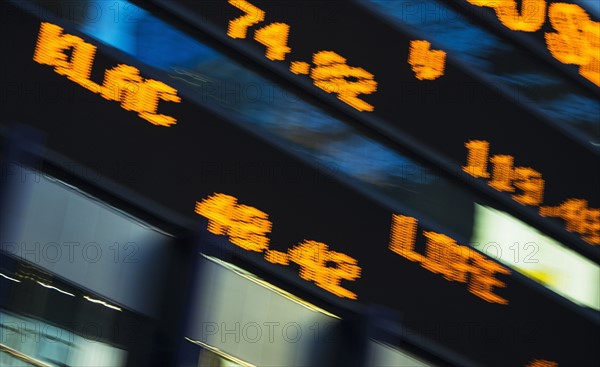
[393,86]
[340,240]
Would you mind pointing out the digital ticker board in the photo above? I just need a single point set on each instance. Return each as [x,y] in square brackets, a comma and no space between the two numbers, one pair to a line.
[277,209]
[411,90]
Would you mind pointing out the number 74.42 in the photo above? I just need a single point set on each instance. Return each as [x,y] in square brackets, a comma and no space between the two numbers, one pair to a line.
[330,71]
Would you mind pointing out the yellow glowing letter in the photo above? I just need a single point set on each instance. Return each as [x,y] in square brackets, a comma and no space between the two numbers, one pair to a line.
[444,256]
[502,173]
[403,236]
[150,92]
[50,48]
[482,281]
[121,83]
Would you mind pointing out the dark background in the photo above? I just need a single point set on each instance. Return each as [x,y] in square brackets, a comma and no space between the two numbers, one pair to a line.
[302,203]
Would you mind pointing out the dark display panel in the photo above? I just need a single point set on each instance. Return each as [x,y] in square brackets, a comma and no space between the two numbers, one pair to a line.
[203,154]
[392,79]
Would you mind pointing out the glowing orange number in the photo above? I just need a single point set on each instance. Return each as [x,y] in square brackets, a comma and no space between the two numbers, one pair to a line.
[333,75]
[239,26]
[427,64]
[249,228]
[313,257]
[477,158]
[218,209]
[576,40]
[444,256]
[530,18]
[246,226]
[542,363]
[121,83]
[578,217]
[502,172]
[274,36]
[505,177]
[530,182]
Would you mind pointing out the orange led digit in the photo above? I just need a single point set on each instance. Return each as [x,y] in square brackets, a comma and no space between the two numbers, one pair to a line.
[121,83]
[444,256]
[239,26]
[576,40]
[299,67]
[591,70]
[426,63]
[249,227]
[477,158]
[530,182]
[530,18]
[578,217]
[542,363]
[505,177]
[502,173]
[312,257]
[246,226]
[274,36]
[332,75]
[567,43]
[219,210]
